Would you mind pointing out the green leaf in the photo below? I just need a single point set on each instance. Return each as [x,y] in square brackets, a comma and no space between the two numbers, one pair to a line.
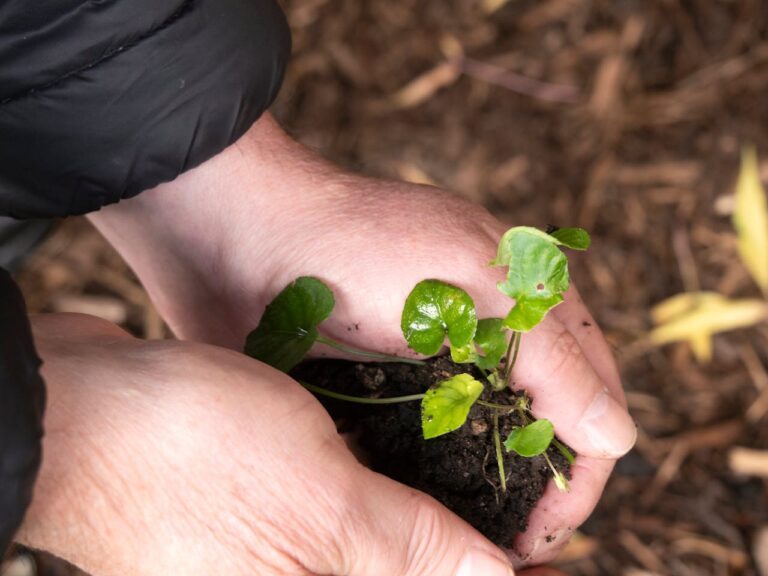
[507,244]
[537,275]
[491,338]
[433,310]
[531,440]
[528,313]
[464,355]
[288,327]
[574,238]
[445,408]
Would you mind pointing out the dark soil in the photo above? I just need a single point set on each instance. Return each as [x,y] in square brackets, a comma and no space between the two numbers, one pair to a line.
[458,469]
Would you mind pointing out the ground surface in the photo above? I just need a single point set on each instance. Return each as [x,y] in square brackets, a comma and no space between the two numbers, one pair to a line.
[635,136]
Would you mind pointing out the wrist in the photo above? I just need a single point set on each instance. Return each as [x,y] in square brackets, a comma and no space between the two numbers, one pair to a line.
[185,233]
[78,509]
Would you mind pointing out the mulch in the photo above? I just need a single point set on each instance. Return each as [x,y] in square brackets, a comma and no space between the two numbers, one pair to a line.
[624,117]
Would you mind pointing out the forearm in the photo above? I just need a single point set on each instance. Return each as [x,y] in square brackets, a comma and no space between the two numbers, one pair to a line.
[78,510]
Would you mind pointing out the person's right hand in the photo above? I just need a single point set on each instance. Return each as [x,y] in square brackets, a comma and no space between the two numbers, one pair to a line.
[169,457]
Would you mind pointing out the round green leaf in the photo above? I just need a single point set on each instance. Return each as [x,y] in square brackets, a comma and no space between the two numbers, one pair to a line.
[574,238]
[531,440]
[537,275]
[445,408]
[491,338]
[288,328]
[527,313]
[433,310]
[509,243]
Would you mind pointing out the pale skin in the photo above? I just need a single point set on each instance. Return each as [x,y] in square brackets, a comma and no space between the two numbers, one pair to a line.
[187,429]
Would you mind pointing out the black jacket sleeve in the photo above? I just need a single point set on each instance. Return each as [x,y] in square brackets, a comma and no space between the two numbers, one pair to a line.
[99,101]
[22,399]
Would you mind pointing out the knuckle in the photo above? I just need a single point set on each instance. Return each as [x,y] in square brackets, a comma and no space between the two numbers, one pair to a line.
[564,352]
[335,529]
[427,539]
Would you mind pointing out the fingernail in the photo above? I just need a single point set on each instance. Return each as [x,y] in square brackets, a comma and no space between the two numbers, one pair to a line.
[608,427]
[478,562]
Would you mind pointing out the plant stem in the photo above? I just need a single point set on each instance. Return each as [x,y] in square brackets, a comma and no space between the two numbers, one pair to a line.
[321,339]
[508,407]
[512,352]
[549,463]
[499,454]
[358,399]
[563,450]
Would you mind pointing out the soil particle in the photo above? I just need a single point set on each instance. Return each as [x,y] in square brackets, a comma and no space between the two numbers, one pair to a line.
[458,469]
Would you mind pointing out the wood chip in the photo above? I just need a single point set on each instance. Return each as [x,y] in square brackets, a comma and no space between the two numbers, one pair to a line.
[760,550]
[748,462]
[682,174]
[105,307]
[421,89]
[412,173]
[641,552]
[579,547]
[735,559]
[19,566]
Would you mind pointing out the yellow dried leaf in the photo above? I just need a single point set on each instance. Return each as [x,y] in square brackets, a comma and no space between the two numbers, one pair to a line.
[701,345]
[679,304]
[695,317]
[750,217]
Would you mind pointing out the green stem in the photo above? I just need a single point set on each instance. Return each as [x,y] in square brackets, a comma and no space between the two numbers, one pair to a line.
[510,345]
[321,339]
[517,350]
[508,407]
[564,450]
[358,399]
[499,454]
[514,349]
[560,480]
[549,463]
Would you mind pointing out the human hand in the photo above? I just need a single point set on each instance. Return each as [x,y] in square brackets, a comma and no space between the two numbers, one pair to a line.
[234,232]
[169,457]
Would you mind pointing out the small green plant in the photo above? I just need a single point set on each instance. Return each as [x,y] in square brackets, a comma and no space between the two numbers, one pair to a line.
[537,276]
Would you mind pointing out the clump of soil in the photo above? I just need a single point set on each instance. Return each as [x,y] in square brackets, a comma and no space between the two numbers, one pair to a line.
[458,469]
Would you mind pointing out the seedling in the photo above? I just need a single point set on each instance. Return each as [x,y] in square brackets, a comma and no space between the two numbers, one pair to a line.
[537,276]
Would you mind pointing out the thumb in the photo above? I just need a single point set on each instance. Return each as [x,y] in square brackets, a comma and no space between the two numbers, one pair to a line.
[411,534]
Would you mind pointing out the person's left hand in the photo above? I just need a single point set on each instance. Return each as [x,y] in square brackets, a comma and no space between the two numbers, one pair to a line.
[215,246]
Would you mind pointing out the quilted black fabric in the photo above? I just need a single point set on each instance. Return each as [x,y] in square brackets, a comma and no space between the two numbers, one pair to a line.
[101,100]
